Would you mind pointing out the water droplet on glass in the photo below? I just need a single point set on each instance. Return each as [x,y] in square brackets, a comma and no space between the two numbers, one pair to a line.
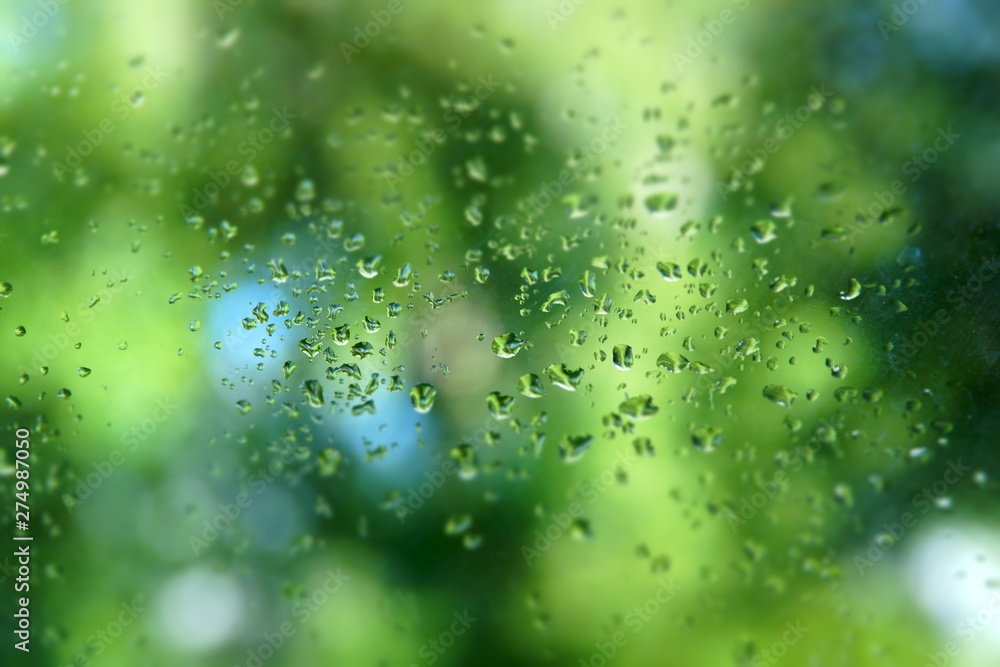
[422,396]
[621,357]
[530,385]
[507,345]
[499,405]
[572,447]
[661,203]
[780,394]
[458,524]
[763,231]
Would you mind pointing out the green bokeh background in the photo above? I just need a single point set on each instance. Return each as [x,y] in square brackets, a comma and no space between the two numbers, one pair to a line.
[128,225]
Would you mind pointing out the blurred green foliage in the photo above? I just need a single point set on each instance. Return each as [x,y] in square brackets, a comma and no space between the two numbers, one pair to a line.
[237,235]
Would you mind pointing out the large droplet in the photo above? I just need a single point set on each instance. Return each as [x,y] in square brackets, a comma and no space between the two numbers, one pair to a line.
[422,396]
[661,203]
[499,405]
[639,408]
[572,447]
[313,391]
[852,292]
[674,363]
[507,345]
[763,231]
[530,385]
[621,357]
[779,394]
[563,377]
[736,306]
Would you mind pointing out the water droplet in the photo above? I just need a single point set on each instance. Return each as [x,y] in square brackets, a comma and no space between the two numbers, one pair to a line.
[369,266]
[228,38]
[670,271]
[507,345]
[305,191]
[843,494]
[559,298]
[736,306]
[853,291]
[362,350]
[706,438]
[563,377]
[700,368]
[342,334]
[661,203]
[458,524]
[499,405]
[530,385]
[639,408]
[572,447]
[313,391]
[422,396]
[621,357]
[763,231]
[674,363]
[83,371]
[329,461]
[19,331]
[780,394]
